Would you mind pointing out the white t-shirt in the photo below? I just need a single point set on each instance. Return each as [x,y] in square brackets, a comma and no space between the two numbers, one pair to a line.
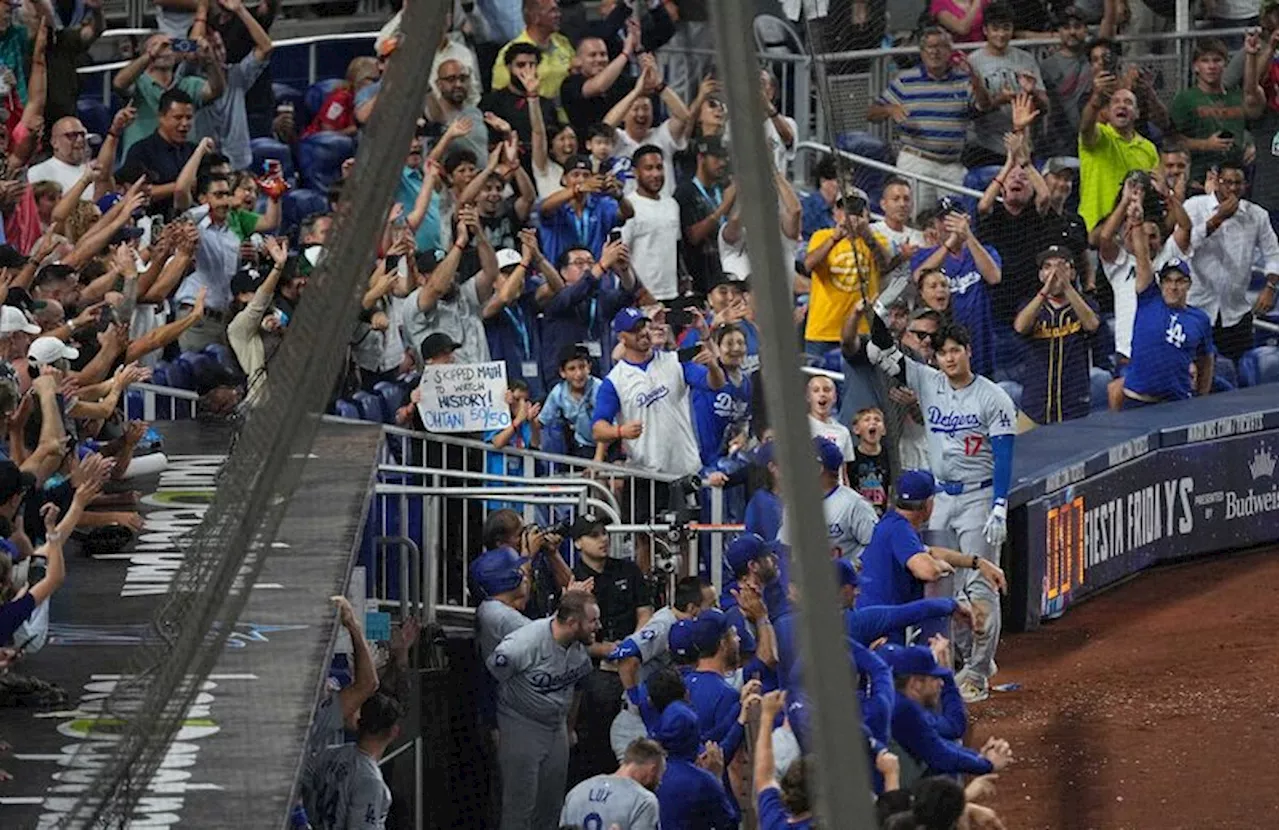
[653,235]
[1123,275]
[660,136]
[53,170]
[547,180]
[657,396]
[777,150]
[899,279]
[735,260]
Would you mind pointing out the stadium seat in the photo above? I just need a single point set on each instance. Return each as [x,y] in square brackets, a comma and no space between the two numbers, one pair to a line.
[1014,390]
[869,180]
[286,94]
[1260,364]
[1098,380]
[160,374]
[977,179]
[1224,371]
[223,355]
[265,149]
[344,408]
[299,204]
[315,95]
[197,365]
[320,158]
[179,375]
[370,407]
[95,115]
[393,397]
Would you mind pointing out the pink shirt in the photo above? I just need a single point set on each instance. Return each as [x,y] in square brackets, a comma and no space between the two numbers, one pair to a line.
[951,6]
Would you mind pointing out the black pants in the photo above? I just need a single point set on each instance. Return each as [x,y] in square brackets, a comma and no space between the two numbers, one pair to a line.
[601,700]
[1233,341]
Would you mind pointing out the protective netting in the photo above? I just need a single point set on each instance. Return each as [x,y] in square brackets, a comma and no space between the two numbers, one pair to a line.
[227,552]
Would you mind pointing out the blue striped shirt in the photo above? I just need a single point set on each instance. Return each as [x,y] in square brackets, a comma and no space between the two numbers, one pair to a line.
[938,111]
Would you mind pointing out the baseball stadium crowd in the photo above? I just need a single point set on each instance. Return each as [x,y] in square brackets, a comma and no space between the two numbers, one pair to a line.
[568,207]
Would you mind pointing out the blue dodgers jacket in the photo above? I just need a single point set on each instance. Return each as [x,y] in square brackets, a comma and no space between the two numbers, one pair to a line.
[689,797]
[916,730]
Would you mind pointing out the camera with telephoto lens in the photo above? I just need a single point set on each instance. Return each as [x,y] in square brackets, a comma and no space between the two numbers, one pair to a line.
[560,529]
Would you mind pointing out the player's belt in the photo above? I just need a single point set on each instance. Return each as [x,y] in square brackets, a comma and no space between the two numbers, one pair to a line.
[955,488]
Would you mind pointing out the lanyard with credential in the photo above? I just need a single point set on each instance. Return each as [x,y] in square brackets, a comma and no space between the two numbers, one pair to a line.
[581,223]
[715,203]
[516,316]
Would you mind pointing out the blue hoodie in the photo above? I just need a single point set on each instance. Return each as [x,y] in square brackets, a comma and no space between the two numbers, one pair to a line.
[689,797]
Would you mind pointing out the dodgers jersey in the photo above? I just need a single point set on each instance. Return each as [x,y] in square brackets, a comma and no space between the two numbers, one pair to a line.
[536,675]
[651,642]
[850,522]
[494,621]
[606,800]
[655,393]
[1166,342]
[344,790]
[959,423]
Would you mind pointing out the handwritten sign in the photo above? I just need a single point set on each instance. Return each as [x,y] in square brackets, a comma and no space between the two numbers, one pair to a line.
[464,397]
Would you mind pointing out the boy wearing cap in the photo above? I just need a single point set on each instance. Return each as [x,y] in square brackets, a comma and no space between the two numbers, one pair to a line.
[566,414]
[1169,337]
[1059,322]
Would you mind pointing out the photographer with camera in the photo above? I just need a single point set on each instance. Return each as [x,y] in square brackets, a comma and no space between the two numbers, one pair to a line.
[625,598]
[549,573]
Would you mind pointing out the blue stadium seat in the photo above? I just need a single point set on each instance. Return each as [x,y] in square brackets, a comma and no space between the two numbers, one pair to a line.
[393,397]
[315,95]
[869,180]
[95,115]
[1098,380]
[195,363]
[287,94]
[265,149]
[299,204]
[370,407]
[1224,371]
[344,408]
[1260,364]
[223,355]
[179,375]
[1014,390]
[160,374]
[978,178]
[320,158]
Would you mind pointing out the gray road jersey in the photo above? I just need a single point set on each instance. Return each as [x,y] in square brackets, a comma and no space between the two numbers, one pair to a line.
[606,800]
[850,522]
[651,640]
[536,675]
[959,423]
[494,621]
[344,790]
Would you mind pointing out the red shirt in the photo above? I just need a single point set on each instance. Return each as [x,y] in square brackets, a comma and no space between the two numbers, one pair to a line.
[337,113]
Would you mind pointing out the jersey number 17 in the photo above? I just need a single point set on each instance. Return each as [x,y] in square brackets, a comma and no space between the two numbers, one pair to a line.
[972,444]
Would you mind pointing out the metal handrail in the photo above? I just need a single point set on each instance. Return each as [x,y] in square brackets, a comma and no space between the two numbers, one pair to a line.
[876,164]
[524,495]
[473,476]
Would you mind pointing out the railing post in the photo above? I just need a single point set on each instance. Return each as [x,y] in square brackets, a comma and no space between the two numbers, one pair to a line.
[717,539]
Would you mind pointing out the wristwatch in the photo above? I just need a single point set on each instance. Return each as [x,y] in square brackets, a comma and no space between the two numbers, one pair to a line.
[975,563]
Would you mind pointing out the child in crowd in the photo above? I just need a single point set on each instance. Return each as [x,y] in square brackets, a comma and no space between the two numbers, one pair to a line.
[567,414]
[820,395]
[600,141]
[523,433]
[869,471]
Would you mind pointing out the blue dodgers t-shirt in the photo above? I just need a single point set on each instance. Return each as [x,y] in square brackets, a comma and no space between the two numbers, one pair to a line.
[970,302]
[715,410]
[13,615]
[774,816]
[1165,343]
[884,563]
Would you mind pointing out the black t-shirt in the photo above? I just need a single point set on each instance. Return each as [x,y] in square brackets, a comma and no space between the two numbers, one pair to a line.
[502,228]
[583,111]
[514,109]
[702,261]
[869,475]
[162,162]
[619,589]
[1019,239]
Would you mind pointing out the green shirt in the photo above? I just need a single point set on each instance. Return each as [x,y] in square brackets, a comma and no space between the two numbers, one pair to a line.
[1199,114]
[1104,166]
[146,97]
[242,222]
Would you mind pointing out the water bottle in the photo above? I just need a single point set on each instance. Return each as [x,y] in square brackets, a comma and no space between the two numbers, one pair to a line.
[298,818]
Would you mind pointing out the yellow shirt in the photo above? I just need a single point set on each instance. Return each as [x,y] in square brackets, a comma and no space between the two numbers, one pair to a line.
[837,284]
[1104,166]
[557,57]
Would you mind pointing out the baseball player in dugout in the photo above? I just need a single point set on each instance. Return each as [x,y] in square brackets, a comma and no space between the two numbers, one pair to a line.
[970,424]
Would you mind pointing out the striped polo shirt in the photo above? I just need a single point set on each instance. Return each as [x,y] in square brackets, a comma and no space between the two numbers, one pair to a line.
[938,111]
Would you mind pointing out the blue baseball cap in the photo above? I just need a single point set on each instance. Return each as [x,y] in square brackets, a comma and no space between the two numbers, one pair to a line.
[765,453]
[916,485]
[912,660]
[680,640]
[708,629]
[1180,265]
[847,574]
[627,319]
[107,202]
[498,571]
[745,549]
[829,455]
